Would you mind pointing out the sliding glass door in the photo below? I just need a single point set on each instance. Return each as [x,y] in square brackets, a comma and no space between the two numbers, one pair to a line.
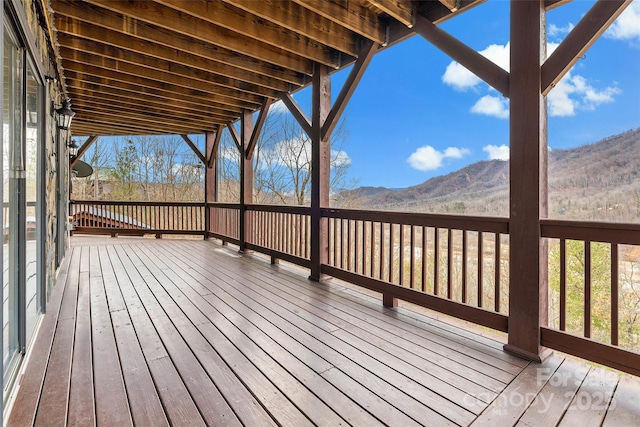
[22,256]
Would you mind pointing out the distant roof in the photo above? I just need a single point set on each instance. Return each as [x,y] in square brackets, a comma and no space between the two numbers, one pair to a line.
[113,216]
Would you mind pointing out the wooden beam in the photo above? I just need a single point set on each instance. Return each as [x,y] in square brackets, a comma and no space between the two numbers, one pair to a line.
[296,112]
[452,5]
[246,179]
[235,137]
[69,14]
[582,36]
[482,67]
[140,110]
[162,58]
[194,148]
[83,148]
[528,267]
[214,150]
[109,78]
[90,93]
[260,30]
[210,176]
[552,4]
[139,116]
[352,15]
[320,170]
[255,134]
[166,73]
[302,21]
[400,10]
[141,122]
[364,58]
[104,122]
[192,26]
[94,86]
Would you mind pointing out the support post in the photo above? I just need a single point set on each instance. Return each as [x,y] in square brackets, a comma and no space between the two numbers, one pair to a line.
[320,169]
[246,177]
[528,287]
[210,177]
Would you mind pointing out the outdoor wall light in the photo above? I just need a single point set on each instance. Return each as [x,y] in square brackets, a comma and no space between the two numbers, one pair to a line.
[73,149]
[64,115]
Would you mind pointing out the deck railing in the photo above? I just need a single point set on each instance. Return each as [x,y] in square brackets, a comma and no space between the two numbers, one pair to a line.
[594,270]
[224,222]
[452,264]
[458,265]
[284,232]
[137,218]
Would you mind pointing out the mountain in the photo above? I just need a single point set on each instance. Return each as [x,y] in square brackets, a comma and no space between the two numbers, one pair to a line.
[599,181]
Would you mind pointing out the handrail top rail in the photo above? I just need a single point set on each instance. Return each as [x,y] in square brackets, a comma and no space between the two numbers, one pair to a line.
[597,231]
[293,209]
[130,203]
[457,222]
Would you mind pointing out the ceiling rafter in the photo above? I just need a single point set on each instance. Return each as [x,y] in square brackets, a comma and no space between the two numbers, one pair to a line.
[303,21]
[131,49]
[179,67]
[262,31]
[175,20]
[77,12]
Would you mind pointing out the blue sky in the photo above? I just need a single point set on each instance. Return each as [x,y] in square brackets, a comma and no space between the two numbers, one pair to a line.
[416,114]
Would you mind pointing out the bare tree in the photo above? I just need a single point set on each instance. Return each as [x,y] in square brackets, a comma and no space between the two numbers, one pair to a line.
[281,163]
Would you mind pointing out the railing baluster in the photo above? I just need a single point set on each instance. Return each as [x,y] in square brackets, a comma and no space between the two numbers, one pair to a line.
[480,269]
[449,262]
[412,257]
[436,259]
[401,260]
[497,271]
[381,250]
[587,289]
[424,259]
[392,251]
[355,245]
[464,266]
[614,294]
[563,284]
[373,244]
[364,246]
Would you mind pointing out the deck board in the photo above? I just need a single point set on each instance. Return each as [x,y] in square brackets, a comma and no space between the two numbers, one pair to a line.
[187,332]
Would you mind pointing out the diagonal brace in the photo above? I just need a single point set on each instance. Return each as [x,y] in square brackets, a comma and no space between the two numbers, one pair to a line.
[297,112]
[258,128]
[482,67]
[582,36]
[194,148]
[83,148]
[364,58]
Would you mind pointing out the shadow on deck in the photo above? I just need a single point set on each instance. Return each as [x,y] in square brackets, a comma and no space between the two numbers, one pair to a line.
[187,332]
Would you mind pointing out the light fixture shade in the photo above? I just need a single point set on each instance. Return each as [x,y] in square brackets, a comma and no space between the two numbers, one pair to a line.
[65,115]
[73,149]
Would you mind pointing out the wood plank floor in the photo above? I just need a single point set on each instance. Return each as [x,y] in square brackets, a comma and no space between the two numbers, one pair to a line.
[187,332]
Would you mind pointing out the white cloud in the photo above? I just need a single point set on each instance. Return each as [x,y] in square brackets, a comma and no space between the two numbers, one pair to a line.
[574,93]
[456,153]
[627,26]
[278,107]
[554,30]
[428,158]
[571,94]
[462,79]
[340,159]
[497,152]
[490,105]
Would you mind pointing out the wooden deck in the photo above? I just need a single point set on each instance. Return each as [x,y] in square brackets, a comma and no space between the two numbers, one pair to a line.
[187,332]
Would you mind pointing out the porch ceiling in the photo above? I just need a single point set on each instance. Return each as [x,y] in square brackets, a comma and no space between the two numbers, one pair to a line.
[181,67]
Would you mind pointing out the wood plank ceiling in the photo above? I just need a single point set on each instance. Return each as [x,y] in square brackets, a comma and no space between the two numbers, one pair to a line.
[185,67]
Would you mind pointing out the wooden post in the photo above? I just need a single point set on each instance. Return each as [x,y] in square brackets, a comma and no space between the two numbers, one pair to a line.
[528,287]
[246,177]
[210,177]
[320,169]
